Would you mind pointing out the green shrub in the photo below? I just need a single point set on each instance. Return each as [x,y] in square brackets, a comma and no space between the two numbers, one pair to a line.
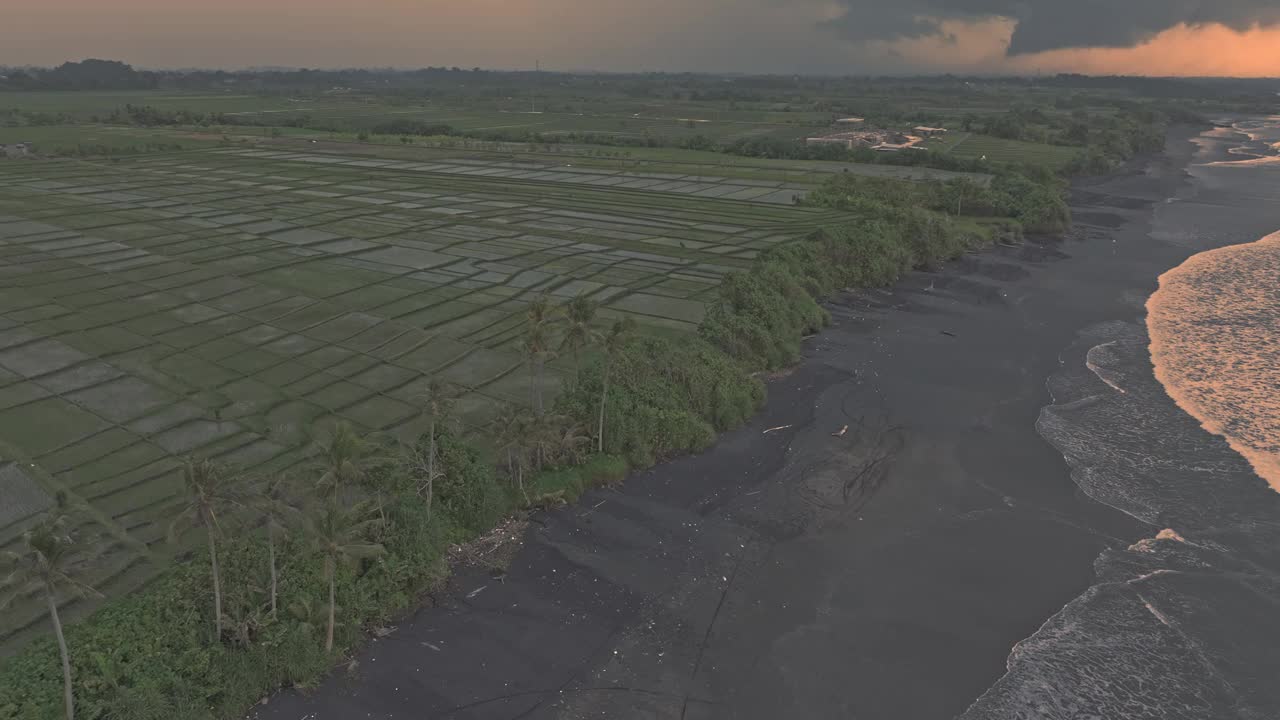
[665,397]
[469,490]
[569,483]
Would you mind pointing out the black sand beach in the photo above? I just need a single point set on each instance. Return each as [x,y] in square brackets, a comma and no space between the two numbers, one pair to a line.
[886,573]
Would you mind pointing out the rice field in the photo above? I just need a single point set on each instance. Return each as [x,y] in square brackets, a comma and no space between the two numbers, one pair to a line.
[601,116]
[973,145]
[224,302]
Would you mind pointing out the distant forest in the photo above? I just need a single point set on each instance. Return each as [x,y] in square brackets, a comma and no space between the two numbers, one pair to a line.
[96,74]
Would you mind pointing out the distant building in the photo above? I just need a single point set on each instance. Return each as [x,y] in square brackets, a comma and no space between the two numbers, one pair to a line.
[929,132]
[16,150]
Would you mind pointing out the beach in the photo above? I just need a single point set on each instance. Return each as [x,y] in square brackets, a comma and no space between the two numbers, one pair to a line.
[972,498]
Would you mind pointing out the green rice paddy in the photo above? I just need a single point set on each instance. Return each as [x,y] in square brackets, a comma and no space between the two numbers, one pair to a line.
[224,302]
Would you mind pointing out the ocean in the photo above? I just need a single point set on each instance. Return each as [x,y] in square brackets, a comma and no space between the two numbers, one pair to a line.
[1176,422]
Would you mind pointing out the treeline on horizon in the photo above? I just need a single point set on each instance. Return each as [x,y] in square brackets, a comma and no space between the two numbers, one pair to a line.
[98,74]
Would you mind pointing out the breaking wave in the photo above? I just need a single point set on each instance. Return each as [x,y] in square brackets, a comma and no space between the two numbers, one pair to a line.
[1215,344]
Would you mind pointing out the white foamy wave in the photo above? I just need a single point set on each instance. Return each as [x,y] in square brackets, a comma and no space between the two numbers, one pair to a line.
[1215,343]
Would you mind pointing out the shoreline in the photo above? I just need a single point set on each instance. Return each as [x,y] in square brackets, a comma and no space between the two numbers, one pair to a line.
[735,582]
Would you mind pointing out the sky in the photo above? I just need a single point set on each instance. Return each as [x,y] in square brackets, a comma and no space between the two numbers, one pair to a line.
[1146,37]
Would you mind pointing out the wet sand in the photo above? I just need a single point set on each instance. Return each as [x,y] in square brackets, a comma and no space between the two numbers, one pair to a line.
[888,573]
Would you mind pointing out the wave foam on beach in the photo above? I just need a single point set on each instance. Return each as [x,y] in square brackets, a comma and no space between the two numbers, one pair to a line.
[1215,344]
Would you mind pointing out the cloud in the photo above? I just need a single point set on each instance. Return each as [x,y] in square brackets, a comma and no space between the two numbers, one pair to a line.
[1044,25]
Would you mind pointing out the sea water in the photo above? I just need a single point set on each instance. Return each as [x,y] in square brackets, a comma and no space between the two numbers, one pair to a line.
[1184,623]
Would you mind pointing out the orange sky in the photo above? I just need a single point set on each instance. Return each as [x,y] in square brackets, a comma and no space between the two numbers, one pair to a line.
[1204,51]
[713,35]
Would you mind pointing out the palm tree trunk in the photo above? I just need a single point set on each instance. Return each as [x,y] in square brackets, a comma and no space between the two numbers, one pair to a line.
[271,553]
[217,588]
[538,387]
[328,638]
[604,394]
[533,384]
[67,696]
[430,456]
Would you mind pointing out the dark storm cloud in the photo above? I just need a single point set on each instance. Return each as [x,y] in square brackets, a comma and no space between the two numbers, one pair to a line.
[1050,24]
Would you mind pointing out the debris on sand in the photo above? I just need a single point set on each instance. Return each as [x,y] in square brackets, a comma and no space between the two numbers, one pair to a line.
[494,549]
[840,432]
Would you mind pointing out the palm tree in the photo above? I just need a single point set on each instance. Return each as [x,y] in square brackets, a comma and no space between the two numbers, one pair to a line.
[280,511]
[209,492]
[613,343]
[566,439]
[540,310]
[48,564]
[310,615]
[339,535]
[537,343]
[578,334]
[506,432]
[537,350]
[343,458]
[517,436]
[244,610]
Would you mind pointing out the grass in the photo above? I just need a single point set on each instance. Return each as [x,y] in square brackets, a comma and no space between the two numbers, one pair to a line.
[973,145]
[85,104]
[62,139]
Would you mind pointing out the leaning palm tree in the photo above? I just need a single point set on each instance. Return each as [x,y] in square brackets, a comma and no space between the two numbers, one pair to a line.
[580,312]
[339,534]
[48,565]
[210,491]
[279,510]
[614,340]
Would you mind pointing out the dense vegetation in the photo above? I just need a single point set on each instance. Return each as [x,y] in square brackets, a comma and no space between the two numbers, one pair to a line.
[1031,196]
[376,523]
[392,513]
